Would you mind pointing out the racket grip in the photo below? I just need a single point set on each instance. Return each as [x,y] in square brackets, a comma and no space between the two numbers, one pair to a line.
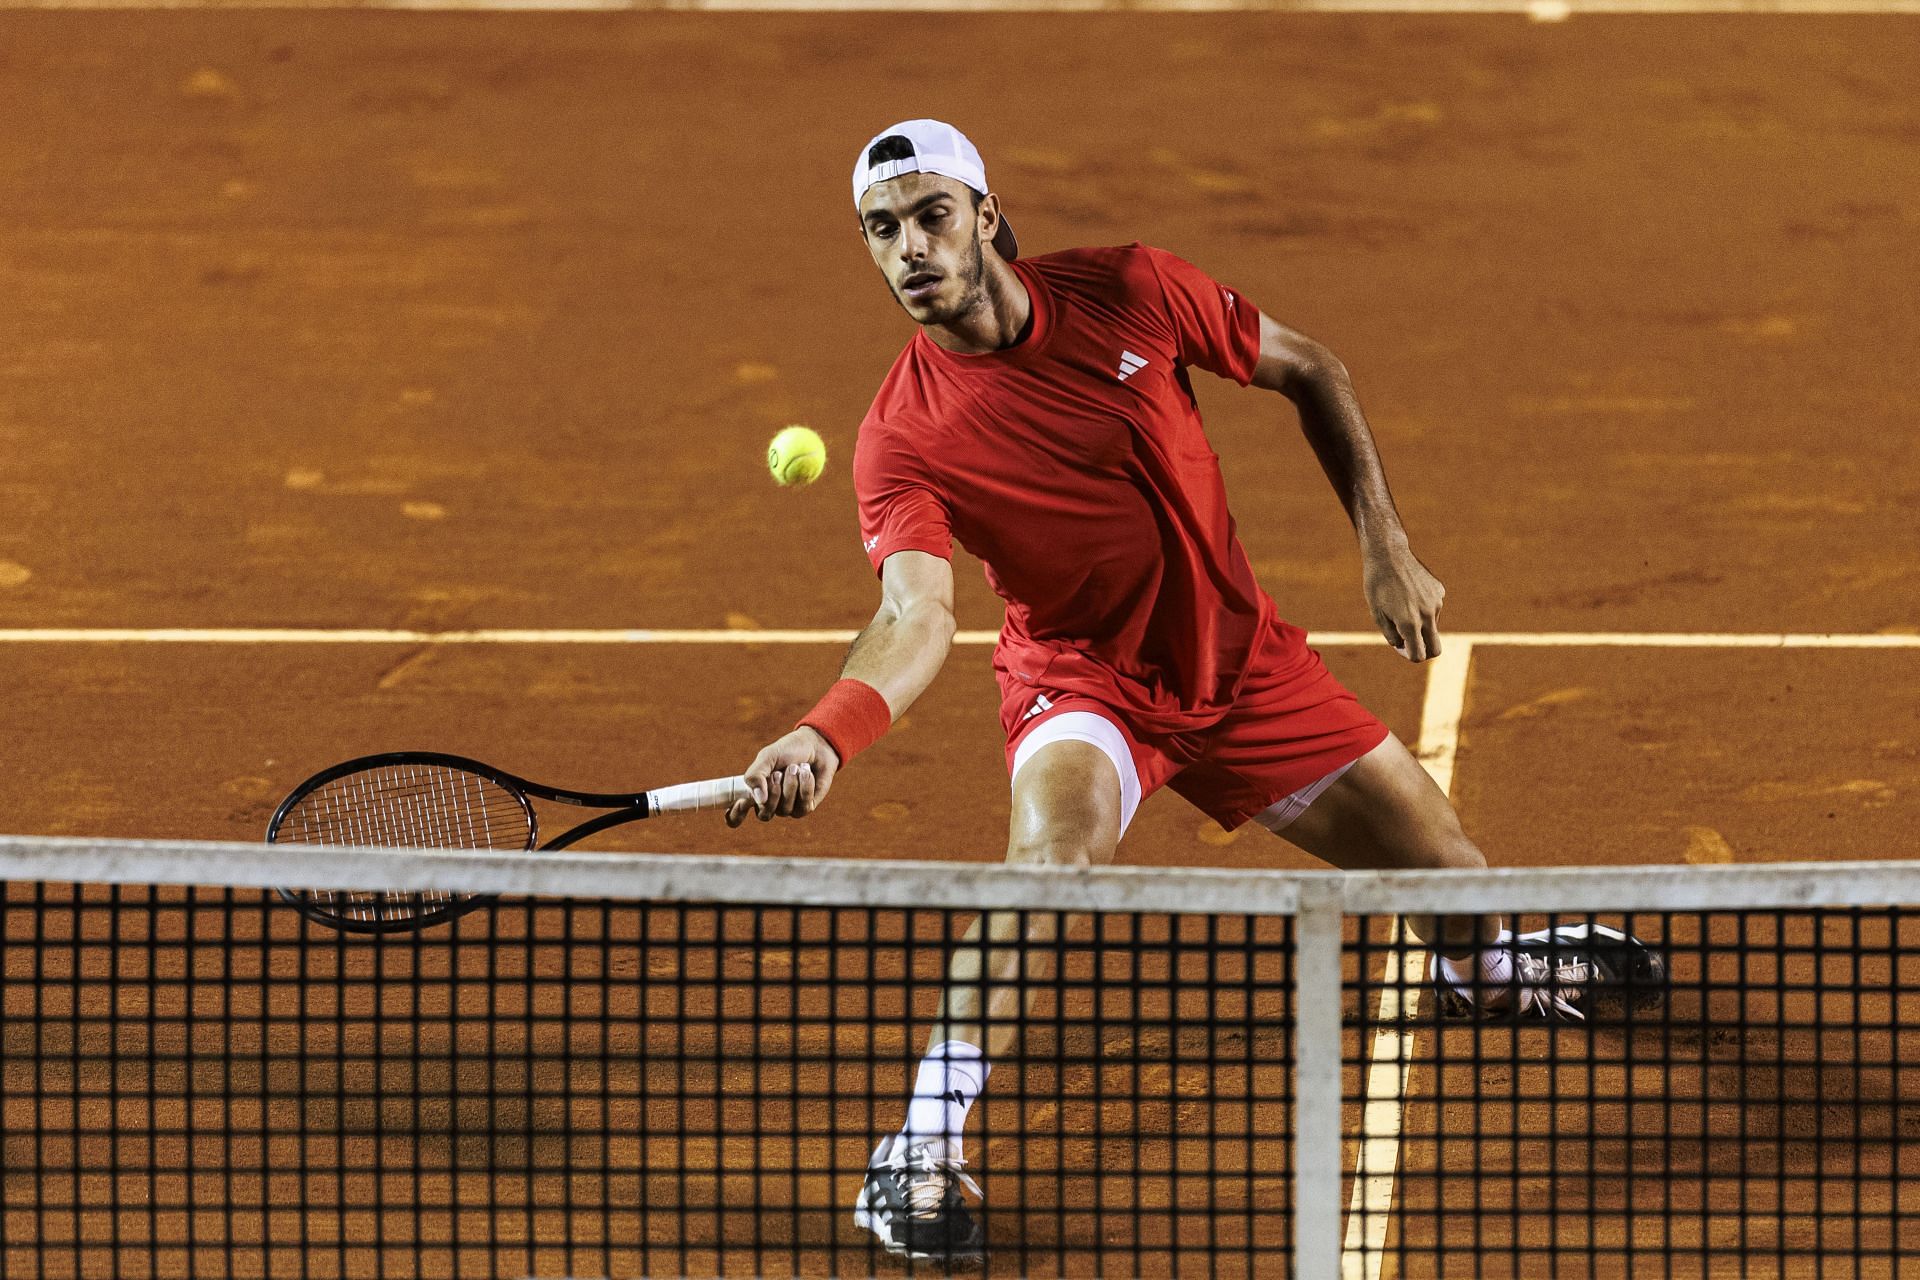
[714,793]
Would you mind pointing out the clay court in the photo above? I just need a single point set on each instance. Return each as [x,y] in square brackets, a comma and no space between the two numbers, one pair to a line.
[381,380]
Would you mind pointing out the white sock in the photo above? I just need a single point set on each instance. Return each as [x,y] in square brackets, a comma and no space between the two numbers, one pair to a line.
[1491,967]
[951,1076]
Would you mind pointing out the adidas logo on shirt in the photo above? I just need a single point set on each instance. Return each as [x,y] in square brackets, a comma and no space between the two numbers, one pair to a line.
[1131,364]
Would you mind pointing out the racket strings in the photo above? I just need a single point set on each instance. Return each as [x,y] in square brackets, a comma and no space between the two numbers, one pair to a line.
[411,805]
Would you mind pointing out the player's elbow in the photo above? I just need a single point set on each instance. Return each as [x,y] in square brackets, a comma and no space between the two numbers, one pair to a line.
[1309,370]
[934,618]
[1294,364]
[928,618]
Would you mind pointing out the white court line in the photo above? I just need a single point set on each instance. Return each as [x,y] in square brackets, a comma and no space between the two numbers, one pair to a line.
[1541,10]
[1331,639]
[1445,704]
[1687,640]
[1377,1169]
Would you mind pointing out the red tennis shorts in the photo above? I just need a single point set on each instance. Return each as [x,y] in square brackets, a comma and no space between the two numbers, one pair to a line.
[1291,733]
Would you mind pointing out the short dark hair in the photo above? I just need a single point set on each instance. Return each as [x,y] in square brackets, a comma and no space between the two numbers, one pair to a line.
[895,146]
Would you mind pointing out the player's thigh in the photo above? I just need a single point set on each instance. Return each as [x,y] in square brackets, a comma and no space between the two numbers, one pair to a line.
[1066,806]
[1385,811]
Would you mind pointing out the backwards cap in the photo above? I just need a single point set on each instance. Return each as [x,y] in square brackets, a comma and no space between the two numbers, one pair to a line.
[933,147]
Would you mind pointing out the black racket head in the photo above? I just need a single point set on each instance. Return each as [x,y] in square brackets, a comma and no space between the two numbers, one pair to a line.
[416,799]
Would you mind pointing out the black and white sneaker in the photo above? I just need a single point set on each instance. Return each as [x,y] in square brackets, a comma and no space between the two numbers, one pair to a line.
[1572,972]
[912,1199]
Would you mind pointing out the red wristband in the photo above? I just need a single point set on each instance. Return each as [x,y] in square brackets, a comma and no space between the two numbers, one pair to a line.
[851,718]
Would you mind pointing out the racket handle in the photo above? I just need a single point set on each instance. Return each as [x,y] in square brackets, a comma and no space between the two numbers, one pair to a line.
[714,793]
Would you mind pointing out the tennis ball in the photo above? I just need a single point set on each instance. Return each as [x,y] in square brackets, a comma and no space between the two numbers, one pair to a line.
[797,455]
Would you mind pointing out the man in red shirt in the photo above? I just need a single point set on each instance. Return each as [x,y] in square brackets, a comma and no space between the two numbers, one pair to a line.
[1042,416]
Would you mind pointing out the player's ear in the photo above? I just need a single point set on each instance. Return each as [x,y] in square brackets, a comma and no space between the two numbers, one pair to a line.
[988,212]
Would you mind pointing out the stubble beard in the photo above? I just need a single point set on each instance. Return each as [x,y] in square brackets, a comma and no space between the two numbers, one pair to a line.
[973,274]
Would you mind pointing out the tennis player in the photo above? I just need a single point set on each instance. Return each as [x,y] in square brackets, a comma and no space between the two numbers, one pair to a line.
[1043,417]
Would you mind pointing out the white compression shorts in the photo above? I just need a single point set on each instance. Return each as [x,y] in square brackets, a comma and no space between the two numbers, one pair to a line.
[1098,731]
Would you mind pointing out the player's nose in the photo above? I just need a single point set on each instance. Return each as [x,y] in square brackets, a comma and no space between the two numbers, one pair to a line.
[913,248]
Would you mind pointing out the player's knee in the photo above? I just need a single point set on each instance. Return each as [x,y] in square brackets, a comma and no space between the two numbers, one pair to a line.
[1061,848]
[1453,851]
[1066,807]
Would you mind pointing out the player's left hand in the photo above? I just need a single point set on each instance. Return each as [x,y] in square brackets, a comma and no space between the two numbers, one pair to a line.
[1405,600]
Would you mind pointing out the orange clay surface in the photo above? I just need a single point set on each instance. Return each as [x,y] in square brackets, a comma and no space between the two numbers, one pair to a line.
[438,322]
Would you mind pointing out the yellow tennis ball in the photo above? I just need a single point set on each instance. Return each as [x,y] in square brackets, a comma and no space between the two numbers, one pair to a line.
[797,455]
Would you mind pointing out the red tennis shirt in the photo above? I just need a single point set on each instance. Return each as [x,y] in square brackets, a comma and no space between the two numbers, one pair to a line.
[1074,464]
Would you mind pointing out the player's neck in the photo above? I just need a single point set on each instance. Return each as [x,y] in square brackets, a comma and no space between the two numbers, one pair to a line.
[1001,320]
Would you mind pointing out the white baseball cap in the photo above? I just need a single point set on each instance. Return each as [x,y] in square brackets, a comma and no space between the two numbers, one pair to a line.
[934,147]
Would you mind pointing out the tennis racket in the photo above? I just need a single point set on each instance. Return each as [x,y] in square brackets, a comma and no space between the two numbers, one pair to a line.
[428,800]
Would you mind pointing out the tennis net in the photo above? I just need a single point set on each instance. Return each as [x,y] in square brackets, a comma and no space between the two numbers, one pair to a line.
[642,1065]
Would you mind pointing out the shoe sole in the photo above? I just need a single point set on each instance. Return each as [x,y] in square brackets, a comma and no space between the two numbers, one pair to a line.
[866,1221]
[1608,1007]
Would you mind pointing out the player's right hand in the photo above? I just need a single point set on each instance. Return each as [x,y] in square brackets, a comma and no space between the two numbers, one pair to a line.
[789,778]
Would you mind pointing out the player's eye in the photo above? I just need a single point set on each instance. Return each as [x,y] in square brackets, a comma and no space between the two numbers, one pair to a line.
[881,230]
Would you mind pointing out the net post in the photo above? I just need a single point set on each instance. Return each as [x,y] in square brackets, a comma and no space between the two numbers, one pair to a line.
[1316,1081]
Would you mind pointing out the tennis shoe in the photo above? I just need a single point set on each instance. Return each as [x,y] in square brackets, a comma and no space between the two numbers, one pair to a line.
[914,1199]
[1570,973]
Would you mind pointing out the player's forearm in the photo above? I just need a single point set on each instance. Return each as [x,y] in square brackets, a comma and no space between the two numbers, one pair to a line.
[1331,420]
[901,651]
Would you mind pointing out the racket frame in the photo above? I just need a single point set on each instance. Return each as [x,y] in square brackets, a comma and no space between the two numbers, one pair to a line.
[624,807]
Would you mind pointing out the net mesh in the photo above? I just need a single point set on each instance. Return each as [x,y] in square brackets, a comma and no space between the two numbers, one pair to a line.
[669,1081]
[1762,1119]
[198,1082]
